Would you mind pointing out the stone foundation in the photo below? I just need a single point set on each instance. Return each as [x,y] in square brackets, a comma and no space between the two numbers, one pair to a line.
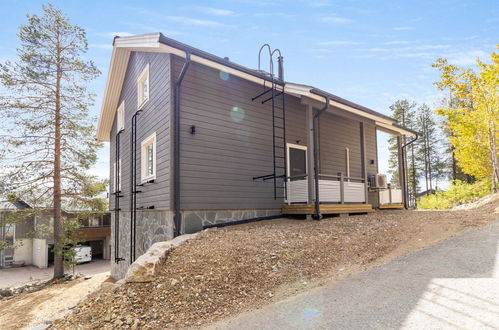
[195,220]
[157,226]
[152,227]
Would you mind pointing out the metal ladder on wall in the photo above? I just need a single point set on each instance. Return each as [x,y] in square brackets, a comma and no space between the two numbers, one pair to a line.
[275,94]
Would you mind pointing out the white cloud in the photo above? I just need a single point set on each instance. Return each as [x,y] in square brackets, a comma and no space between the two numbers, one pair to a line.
[406,49]
[397,42]
[466,58]
[319,50]
[113,34]
[150,28]
[274,15]
[319,3]
[195,21]
[335,19]
[213,11]
[403,28]
[338,43]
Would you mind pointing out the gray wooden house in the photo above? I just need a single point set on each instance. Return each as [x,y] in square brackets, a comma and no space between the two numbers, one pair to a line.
[197,140]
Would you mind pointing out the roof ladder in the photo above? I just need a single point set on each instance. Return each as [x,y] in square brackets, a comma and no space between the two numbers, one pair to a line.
[276,98]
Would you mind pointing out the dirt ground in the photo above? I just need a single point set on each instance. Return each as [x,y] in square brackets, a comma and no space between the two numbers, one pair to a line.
[30,309]
[233,269]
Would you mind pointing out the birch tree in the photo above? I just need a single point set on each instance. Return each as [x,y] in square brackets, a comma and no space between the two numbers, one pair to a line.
[48,136]
[474,123]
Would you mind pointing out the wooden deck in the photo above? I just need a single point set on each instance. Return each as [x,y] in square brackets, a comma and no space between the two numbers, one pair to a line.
[391,206]
[327,208]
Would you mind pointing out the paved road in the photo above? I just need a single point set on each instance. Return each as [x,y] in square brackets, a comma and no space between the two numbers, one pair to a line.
[453,285]
[17,276]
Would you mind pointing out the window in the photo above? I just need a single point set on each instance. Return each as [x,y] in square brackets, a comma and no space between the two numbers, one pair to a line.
[120,117]
[117,176]
[143,87]
[148,157]
[297,162]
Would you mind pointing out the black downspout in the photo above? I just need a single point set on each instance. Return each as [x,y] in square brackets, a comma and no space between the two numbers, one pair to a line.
[317,215]
[117,195]
[404,170]
[133,185]
[176,132]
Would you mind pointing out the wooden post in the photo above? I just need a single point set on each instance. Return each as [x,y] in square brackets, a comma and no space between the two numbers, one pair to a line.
[363,159]
[342,188]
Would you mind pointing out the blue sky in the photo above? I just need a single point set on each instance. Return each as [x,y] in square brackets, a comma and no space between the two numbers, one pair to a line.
[370,52]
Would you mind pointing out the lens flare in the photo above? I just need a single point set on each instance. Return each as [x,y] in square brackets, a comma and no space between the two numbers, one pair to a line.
[237,114]
[224,75]
[310,312]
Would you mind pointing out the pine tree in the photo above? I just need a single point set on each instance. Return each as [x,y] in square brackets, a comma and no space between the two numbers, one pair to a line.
[404,113]
[429,149]
[48,134]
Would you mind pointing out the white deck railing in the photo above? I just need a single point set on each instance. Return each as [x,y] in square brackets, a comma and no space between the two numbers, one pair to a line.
[390,196]
[332,188]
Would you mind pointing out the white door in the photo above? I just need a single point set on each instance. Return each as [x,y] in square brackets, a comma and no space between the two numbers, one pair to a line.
[297,174]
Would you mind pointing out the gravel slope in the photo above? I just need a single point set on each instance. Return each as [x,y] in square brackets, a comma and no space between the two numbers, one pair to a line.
[226,271]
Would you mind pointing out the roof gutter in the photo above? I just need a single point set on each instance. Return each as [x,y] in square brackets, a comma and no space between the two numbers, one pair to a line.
[315,128]
[177,218]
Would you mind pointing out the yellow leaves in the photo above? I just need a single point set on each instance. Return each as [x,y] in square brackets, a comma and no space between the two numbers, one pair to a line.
[474,120]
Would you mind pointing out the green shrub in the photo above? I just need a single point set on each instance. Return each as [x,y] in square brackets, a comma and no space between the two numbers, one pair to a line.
[458,193]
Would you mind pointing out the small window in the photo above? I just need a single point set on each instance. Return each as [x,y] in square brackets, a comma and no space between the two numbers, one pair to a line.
[148,157]
[143,87]
[117,176]
[120,117]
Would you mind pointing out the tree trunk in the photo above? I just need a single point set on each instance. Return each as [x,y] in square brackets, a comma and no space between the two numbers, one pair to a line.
[430,174]
[58,226]
[493,154]
[414,183]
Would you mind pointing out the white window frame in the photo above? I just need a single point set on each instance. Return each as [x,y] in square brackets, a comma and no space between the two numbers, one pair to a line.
[117,187]
[288,167]
[120,117]
[288,160]
[141,97]
[151,139]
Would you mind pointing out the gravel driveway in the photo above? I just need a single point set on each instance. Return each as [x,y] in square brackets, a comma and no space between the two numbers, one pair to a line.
[453,285]
[17,276]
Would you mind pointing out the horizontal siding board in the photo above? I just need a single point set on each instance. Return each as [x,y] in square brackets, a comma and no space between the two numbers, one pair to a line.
[155,117]
[218,163]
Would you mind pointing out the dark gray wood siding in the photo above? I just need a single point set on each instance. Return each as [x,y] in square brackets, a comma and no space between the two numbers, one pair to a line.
[155,117]
[233,139]
[232,143]
[336,133]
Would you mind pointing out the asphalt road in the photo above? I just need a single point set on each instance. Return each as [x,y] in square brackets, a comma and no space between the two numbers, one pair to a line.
[452,285]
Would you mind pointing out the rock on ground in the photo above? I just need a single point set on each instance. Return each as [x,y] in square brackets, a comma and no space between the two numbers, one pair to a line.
[144,268]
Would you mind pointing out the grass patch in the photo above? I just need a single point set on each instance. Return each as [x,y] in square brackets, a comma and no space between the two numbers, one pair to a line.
[458,193]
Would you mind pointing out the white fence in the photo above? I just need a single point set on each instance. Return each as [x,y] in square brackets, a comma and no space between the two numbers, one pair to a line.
[329,191]
[390,196]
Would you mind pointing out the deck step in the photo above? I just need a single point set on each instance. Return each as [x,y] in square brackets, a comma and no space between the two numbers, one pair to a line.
[391,206]
[327,208]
